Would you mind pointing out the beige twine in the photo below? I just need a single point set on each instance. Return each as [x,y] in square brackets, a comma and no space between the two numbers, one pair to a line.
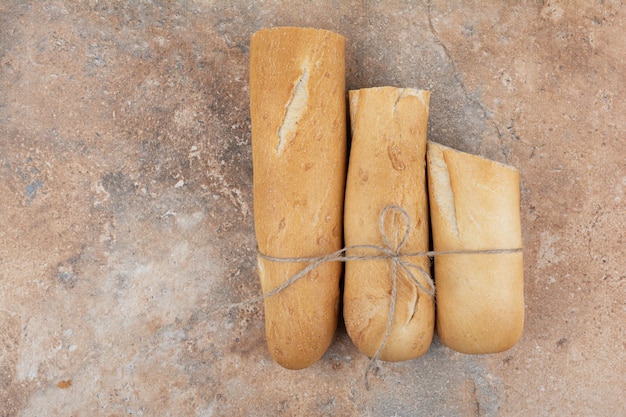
[387,252]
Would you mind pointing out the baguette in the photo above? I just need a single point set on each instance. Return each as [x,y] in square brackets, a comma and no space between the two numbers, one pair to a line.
[298,116]
[387,167]
[474,205]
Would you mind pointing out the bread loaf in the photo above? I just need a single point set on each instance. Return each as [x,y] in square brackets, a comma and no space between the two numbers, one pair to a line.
[387,167]
[474,205]
[298,115]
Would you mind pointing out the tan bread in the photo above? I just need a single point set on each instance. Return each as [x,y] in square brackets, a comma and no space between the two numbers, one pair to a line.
[474,205]
[387,167]
[298,113]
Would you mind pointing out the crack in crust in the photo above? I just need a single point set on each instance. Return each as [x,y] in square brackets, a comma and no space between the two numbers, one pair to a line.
[294,109]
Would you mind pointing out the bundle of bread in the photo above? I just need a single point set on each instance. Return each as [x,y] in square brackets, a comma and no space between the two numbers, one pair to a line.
[298,114]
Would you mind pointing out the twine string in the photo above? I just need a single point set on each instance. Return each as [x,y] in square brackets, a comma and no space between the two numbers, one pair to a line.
[387,252]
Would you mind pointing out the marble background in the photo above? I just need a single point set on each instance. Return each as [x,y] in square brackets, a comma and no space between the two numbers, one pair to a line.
[126,205]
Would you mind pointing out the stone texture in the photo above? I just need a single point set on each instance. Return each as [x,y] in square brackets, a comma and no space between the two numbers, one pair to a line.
[125,205]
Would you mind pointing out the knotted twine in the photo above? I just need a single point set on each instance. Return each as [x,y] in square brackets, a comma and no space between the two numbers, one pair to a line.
[387,252]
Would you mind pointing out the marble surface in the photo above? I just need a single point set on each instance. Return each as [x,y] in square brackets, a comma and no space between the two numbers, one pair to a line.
[126,205]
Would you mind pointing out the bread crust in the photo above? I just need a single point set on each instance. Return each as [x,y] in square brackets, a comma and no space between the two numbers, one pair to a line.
[387,167]
[298,116]
[474,205]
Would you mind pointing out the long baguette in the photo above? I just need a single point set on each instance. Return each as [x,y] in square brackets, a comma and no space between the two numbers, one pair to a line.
[387,167]
[298,114]
[474,205]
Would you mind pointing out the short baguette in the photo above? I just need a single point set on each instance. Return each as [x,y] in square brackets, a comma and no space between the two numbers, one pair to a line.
[474,205]
[298,113]
[387,167]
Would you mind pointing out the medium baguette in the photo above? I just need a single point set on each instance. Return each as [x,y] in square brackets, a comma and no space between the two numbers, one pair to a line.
[387,167]
[474,205]
[298,114]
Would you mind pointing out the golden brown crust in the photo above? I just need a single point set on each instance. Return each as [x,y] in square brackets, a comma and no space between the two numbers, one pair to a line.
[298,114]
[474,205]
[387,167]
